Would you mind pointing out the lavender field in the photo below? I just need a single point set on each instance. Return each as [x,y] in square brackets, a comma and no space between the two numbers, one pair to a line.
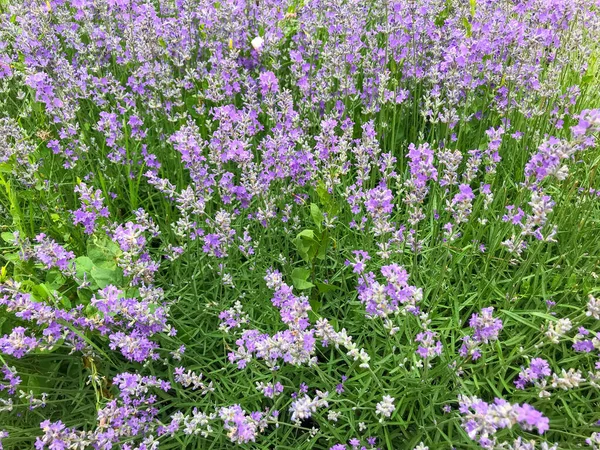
[300,224]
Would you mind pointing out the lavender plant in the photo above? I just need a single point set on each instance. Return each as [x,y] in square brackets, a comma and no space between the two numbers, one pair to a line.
[307,224]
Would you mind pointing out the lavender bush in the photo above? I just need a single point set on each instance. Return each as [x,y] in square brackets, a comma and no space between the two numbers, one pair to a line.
[304,224]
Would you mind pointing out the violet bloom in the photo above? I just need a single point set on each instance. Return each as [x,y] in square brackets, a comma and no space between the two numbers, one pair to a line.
[268,83]
[379,205]
[134,346]
[53,255]
[486,329]
[241,428]
[538,369]
[12,378]
[428,347]
[17,343]
[461,203]
[481,420]
[384,300]
[92,207]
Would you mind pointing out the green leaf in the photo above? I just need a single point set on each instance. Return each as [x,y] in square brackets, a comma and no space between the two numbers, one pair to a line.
[103,252]
[440,20]
[103,277]
[317,216]
[307,245]
[324,288]
[12,257]
[300,277]
[85,296]
[324,244]
[9,238]
[327,201]
[307,234]
[41,291]
[323,193]
[66,302]
[300,273]
[54,279]
[315,305]
[302,285]
[83,264]
[468,27]
[587,79]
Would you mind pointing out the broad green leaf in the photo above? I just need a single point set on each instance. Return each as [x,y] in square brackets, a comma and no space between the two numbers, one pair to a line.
[85,296]
[103,277]
[41,291]
[9,238]
[12,257]
[322,250]
[300,277]
[103,252]
[54,279]
[307,234]
[66,302]
[300,273]
[307,244]
[325,288]
[83,264]
[317,216]
[315,305]
[6,167]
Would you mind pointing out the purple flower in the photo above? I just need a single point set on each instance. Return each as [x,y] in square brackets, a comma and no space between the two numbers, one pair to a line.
[538,369]
[429,347]
[10,376]
[486,328]
[17,343]
[530,418]
[241,428]
[91,209]
[268,83]
[53,255]
[481,420]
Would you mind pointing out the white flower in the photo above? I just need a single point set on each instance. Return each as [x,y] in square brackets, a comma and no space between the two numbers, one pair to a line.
[257,43]
[568,380]
[593,308]
[556,330]
[333,416]
[385,407]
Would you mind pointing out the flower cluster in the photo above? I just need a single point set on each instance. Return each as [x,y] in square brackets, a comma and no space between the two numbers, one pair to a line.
[481,420]
[304,407]
[92,207]
[388,299]
[486,329]
[242,428]
[189,378]
[297,344]
[385,408]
